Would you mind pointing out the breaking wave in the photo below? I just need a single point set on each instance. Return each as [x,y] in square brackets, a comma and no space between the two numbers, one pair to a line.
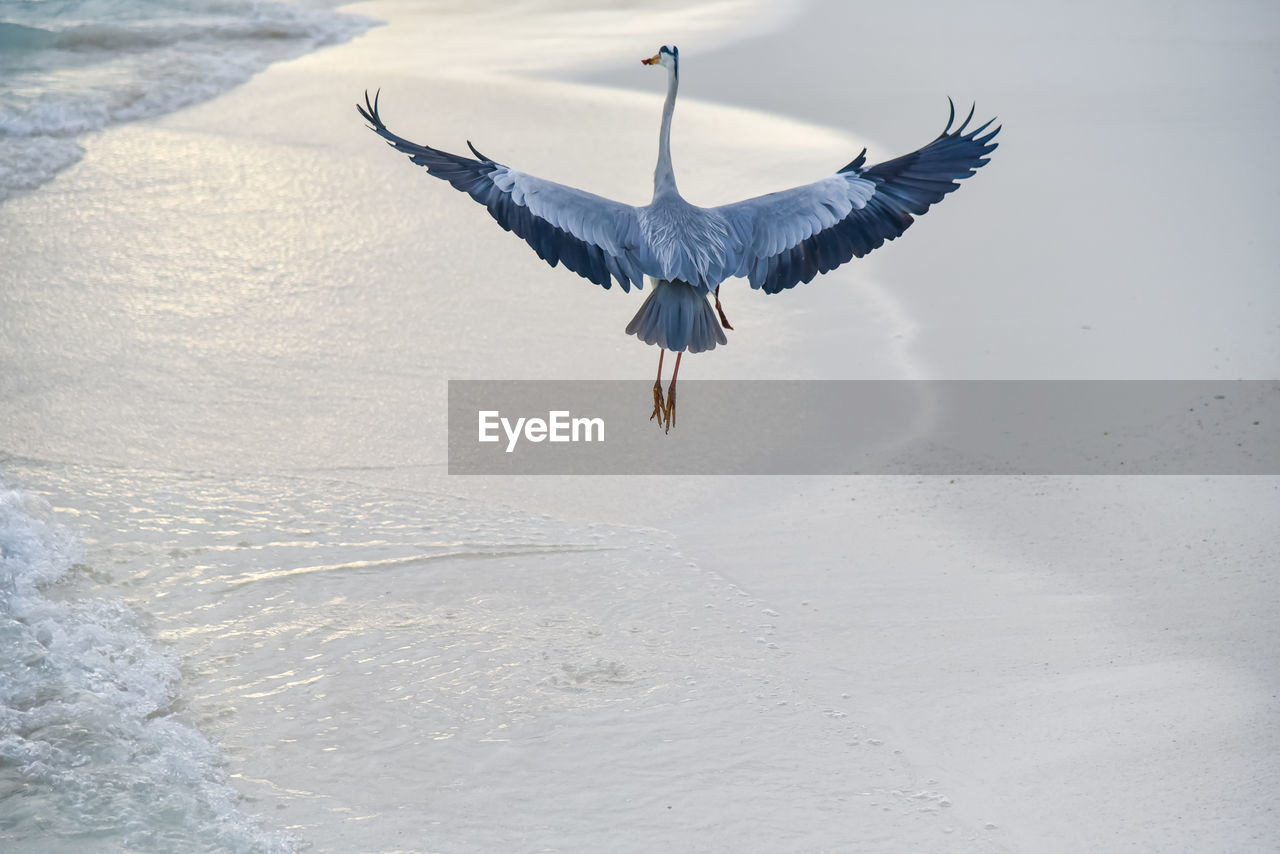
[91,751]
[71,67]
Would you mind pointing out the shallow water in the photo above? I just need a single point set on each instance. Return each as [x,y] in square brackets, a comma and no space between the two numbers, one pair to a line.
[444,668]
[93,753]
[238,411]
[69,67]
[224,337]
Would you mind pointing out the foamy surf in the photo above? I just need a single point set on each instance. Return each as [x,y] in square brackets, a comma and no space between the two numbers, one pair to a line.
[92,755]
[405,669]
[87,64]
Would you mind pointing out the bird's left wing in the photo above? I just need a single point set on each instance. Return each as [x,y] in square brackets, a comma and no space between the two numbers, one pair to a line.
[595,237]
[789,237]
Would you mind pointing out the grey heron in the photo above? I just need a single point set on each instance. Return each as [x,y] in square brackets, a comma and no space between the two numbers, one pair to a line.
[776,241]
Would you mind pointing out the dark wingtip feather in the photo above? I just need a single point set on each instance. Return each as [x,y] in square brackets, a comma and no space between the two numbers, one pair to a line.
[951,117]
[856,163]
[982,127]
[478,154]
[370,110]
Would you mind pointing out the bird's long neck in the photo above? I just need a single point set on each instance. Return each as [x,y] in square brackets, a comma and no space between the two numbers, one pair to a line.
[664,177]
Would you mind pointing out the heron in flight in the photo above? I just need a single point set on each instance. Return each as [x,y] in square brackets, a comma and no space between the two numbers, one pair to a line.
[776,241]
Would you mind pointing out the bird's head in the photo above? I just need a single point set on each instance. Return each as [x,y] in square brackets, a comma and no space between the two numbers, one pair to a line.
[668,57]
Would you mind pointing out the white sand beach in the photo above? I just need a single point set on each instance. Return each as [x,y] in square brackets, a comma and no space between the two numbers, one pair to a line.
[226,335]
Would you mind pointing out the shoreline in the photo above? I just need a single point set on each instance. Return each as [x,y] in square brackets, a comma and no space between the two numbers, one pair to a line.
[142,69]
[937,663]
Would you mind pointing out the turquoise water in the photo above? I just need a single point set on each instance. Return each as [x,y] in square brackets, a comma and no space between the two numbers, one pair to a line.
[70,67]
[93,756]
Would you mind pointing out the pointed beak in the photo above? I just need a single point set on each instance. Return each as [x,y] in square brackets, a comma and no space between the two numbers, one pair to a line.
[653,60]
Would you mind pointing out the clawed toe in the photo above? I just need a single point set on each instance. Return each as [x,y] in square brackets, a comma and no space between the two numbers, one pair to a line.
[664,410]
[659,405]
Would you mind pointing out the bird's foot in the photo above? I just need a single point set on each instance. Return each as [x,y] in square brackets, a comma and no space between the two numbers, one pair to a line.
[659,405]
[664,410]
[667,417]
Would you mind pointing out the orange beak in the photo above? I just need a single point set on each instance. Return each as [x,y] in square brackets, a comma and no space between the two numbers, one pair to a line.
[653,60]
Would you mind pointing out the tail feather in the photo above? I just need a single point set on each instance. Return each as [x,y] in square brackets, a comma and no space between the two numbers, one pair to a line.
[677,316]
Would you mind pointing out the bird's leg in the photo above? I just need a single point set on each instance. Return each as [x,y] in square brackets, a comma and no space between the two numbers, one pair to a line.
[724,321]
[670,414]
[659,407]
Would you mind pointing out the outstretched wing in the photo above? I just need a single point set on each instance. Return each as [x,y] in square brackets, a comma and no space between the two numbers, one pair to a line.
[792,236]
[595,237]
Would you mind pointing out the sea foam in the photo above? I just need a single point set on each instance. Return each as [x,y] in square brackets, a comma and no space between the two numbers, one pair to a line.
[92,752]
[77,66]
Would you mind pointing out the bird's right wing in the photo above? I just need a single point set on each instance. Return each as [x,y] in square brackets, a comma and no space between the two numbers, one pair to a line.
[595,237]
[791,236]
